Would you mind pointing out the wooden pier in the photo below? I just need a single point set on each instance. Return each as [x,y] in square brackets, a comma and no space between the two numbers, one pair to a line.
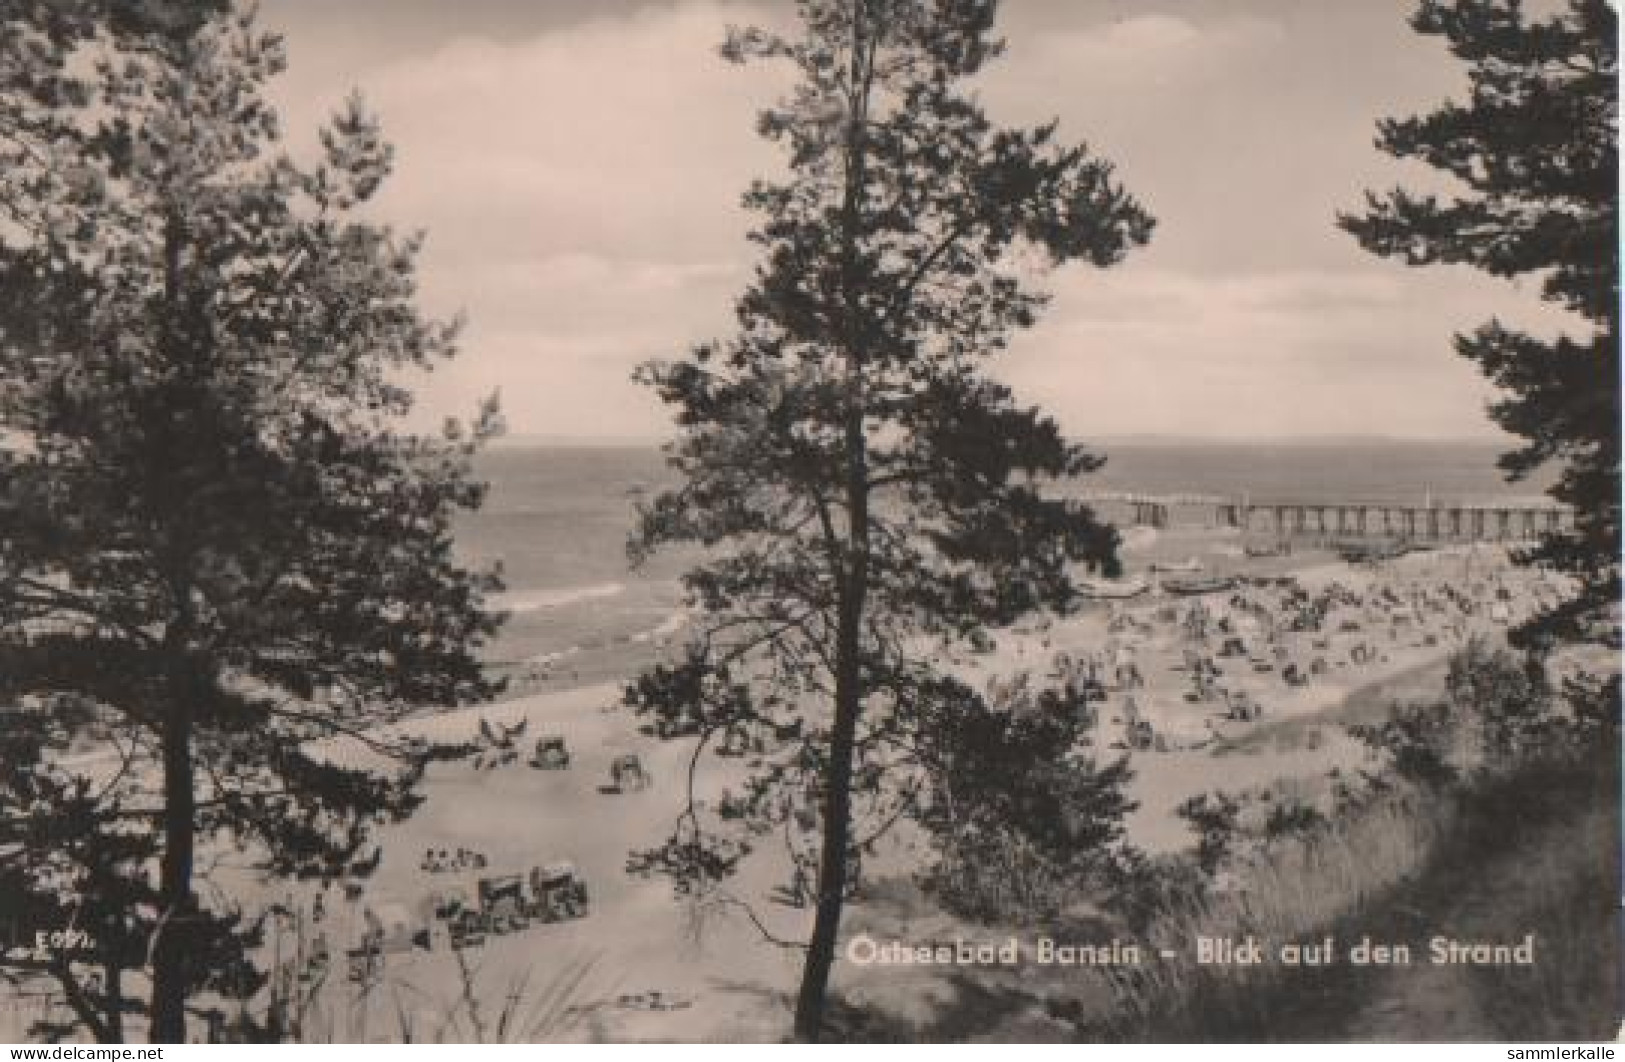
[1435,520]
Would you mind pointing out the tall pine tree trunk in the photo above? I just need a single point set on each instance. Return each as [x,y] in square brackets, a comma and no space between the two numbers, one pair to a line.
[834,857]
[169,958]
[113,970]
[832,863]
[168,1004]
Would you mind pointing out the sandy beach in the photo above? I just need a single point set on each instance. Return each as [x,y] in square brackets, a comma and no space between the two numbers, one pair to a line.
[646,963]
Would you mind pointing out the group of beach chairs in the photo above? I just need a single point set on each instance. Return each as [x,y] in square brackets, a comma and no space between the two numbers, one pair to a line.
[447,861]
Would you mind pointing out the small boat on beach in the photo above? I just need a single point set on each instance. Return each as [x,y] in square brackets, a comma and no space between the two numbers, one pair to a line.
[1189,564]
[1112,589]
[1374,552]
[1211,584]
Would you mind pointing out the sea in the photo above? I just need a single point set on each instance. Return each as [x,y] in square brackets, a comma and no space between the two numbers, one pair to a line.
[557,518]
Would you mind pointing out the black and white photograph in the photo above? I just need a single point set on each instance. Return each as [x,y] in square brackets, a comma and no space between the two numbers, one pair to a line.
[782,521]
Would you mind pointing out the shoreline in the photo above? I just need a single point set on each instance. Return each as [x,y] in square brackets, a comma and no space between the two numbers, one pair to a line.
[1300,735]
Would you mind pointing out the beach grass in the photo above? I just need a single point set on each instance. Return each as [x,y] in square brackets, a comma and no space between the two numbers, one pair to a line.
[1517,853]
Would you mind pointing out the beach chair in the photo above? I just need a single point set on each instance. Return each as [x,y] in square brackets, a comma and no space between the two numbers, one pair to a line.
[466,929]
[363,964]
[626,773]
[502,903]
[1243,709]
[557,893]
[551,754]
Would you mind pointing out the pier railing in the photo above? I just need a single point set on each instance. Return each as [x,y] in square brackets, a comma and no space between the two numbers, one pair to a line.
[1433,520]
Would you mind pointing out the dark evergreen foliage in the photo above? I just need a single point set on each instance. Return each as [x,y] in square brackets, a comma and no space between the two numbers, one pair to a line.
[217,545]
[1535,154]
[879,499]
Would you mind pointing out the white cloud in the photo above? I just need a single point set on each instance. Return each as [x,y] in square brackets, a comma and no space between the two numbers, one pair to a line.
[1139,349]
[581,195]
[581,191]
[1153,49]
[613,137]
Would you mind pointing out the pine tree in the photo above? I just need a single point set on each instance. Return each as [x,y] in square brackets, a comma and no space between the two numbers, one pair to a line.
[1534,153]
[217,542]
[876,498]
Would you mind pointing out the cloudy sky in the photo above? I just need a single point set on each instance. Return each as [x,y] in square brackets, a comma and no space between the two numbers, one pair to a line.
[578,164]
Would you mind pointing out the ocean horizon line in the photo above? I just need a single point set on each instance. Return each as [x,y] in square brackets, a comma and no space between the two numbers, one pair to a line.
[535,440]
